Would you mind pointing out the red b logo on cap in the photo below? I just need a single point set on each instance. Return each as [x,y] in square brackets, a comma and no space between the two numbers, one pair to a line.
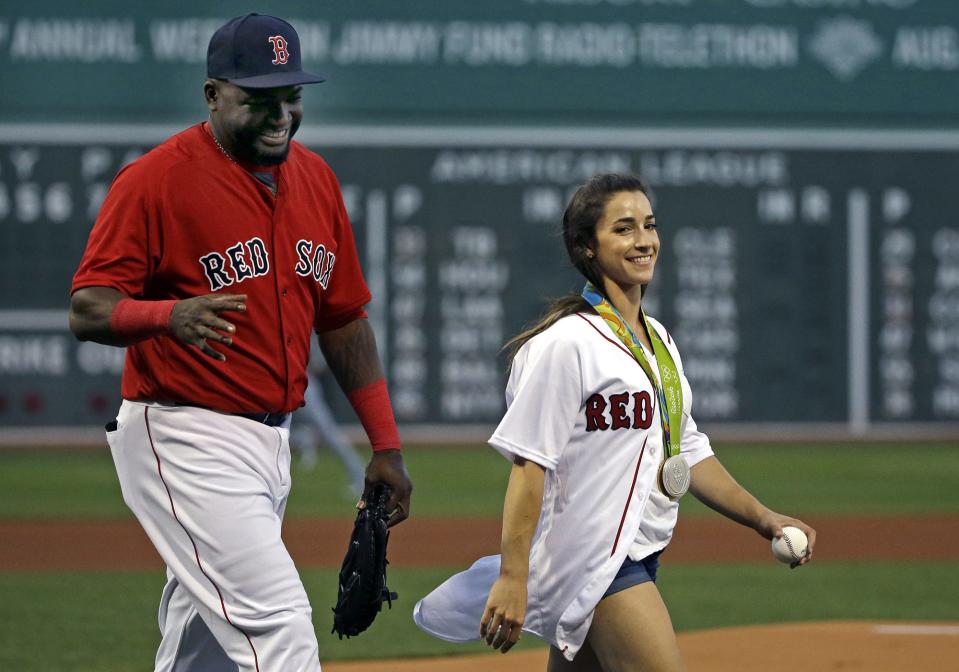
[280,52]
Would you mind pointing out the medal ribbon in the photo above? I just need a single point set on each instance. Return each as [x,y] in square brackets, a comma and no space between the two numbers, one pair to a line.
[670,393]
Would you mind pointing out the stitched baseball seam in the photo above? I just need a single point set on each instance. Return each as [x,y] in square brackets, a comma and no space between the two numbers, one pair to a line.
[789,545]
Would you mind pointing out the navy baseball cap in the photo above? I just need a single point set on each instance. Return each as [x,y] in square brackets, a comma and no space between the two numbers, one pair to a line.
[257,52]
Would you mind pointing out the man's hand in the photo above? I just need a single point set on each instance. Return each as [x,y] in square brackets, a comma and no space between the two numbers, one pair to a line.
[386,466]
[196,321]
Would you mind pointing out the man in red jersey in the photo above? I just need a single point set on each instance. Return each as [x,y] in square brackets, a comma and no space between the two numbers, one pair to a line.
[212,260]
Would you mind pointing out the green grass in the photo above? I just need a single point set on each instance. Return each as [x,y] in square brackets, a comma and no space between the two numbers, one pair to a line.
[105,622]
[59,485]
[448,481]
[846,479]
[711,596]
[884,479]
[457,481]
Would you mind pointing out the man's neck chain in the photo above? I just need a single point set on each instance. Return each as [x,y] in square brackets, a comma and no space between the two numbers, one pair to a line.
[225,153]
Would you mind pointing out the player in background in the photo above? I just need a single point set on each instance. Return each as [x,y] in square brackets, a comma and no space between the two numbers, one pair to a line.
[314,424]
[214,258]
[603,446]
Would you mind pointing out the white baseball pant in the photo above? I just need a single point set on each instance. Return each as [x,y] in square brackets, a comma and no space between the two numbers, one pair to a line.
[210,490]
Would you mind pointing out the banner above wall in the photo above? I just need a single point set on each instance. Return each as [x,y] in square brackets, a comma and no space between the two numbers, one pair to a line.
[585,62]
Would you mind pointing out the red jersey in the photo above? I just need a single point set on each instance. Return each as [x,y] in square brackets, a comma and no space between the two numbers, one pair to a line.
[184,220]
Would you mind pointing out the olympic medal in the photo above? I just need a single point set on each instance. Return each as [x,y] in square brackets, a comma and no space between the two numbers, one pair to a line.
[674,477]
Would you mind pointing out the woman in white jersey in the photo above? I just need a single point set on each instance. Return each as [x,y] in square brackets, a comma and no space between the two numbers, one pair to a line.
[598,469]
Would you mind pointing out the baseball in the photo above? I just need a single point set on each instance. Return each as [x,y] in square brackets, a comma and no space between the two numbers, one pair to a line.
[791,546]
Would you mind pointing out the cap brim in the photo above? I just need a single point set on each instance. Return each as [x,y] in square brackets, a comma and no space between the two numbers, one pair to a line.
[276,79]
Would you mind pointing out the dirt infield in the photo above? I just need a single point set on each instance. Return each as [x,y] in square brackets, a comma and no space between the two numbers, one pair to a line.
[84,544]
[846,646]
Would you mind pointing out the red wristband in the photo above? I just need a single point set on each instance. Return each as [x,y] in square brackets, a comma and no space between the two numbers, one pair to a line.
[372,405]
[139,320]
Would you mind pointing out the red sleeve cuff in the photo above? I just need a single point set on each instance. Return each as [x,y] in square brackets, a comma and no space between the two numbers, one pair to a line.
[372,405]
[138,320]
[341,320]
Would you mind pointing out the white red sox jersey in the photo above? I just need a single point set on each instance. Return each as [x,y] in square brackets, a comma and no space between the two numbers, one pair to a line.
[185,220]
[578,404]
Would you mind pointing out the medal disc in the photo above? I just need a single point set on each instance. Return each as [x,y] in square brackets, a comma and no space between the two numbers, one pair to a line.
[674,477]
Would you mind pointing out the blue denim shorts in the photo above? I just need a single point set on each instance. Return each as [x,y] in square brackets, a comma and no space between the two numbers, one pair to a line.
[634,572]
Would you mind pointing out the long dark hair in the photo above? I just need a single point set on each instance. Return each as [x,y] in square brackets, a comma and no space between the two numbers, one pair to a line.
[579,234]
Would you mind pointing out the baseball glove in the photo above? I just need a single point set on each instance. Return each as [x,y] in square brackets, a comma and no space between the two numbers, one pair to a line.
[362,586]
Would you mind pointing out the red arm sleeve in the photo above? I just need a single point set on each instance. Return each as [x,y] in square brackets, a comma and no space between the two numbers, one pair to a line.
[373,408]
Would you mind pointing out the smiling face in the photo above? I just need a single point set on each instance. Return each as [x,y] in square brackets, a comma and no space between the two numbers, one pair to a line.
[627,243]
[254,125]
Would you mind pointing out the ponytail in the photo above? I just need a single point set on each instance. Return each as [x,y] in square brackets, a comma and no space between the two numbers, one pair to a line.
[558,309]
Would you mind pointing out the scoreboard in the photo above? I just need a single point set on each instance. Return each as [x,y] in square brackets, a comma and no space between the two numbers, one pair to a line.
[811,279]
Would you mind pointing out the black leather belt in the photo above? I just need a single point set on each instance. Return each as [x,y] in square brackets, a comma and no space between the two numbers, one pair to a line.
[268,419]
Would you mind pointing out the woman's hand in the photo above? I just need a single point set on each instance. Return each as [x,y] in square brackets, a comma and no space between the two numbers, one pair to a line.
[771,524]
[505,610]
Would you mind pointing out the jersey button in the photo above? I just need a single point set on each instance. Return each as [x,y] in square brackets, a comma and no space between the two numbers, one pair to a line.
[283,292]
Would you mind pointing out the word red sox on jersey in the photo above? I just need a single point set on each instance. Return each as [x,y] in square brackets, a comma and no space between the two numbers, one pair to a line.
[186,220]
[251,260]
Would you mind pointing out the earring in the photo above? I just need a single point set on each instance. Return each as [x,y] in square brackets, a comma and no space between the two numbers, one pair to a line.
[589,253]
